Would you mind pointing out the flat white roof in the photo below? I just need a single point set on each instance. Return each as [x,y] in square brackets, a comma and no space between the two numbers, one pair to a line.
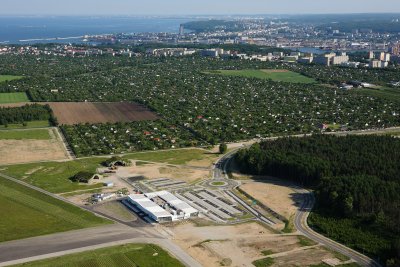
[149,205]
[173,201]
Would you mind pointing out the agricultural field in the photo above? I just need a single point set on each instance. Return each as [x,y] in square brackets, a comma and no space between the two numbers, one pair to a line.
[276,75]
[18,97]
[31,145]
[84,112]
[142,255]
[30,134]
[8,78]
[30,213]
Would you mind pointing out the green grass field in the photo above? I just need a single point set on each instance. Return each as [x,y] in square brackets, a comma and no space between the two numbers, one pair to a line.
[383,92]
[27,213]
[274,75]
[54,176]
[6,98]
[4,78]
[178,157]
[132,255]
[29,124]
[36,134]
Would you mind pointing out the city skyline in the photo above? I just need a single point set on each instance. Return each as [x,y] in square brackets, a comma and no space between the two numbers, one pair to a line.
[206,7]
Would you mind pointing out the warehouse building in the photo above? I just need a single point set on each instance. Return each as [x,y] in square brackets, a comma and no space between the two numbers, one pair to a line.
[162,206]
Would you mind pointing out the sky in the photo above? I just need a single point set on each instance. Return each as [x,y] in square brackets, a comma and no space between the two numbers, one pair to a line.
[194,7]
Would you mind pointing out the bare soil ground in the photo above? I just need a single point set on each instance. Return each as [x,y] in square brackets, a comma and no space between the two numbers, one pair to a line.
[70,113]
[14,105]
[274,194]
[85,112]
[24,151]
[241,245]
[160,170]
[306,257]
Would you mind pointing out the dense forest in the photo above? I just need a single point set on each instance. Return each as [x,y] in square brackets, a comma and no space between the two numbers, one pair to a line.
[34,112]
[356,181]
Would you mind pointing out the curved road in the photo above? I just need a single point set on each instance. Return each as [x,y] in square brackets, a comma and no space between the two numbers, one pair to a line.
[301,217]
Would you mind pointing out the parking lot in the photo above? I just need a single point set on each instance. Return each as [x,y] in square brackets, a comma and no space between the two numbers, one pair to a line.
[213,204]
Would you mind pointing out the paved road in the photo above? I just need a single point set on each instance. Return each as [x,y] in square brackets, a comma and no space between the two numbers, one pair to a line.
[220,174]
[300,221]
[301,225]
[25,250]
[37,248]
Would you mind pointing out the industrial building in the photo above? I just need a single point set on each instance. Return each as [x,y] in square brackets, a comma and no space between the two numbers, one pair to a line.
[162,206]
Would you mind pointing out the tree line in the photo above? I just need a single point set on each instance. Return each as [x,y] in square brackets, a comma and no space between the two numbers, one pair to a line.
[34,112]
[356,181]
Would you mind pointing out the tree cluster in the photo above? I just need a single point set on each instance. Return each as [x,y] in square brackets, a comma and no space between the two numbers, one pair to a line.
[11,115]
[356,178]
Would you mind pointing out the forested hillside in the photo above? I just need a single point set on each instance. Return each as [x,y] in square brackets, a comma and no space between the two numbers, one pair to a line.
[356,181]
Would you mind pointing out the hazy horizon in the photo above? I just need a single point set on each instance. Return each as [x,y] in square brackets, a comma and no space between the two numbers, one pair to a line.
[205,7]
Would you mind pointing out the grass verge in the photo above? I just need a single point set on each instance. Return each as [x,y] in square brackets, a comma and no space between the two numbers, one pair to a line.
[54,176]
[31,213]
[36,134]
[29,124]
[143,255]
[7,98]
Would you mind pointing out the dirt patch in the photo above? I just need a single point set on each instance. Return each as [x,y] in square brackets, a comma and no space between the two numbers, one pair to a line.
[158,170]
[305,257]
[242,244]
[211,245]
[273,194]
[15,105]
[23,151]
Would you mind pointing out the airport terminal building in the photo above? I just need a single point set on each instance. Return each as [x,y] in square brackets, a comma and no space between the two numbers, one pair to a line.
[162,206]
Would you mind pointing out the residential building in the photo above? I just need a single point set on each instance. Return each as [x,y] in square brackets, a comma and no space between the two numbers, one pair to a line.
[395,49]
[378,64]
[209,53]
[331,59]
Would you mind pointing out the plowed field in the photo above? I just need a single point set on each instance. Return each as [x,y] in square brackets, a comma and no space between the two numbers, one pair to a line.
[84,112]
